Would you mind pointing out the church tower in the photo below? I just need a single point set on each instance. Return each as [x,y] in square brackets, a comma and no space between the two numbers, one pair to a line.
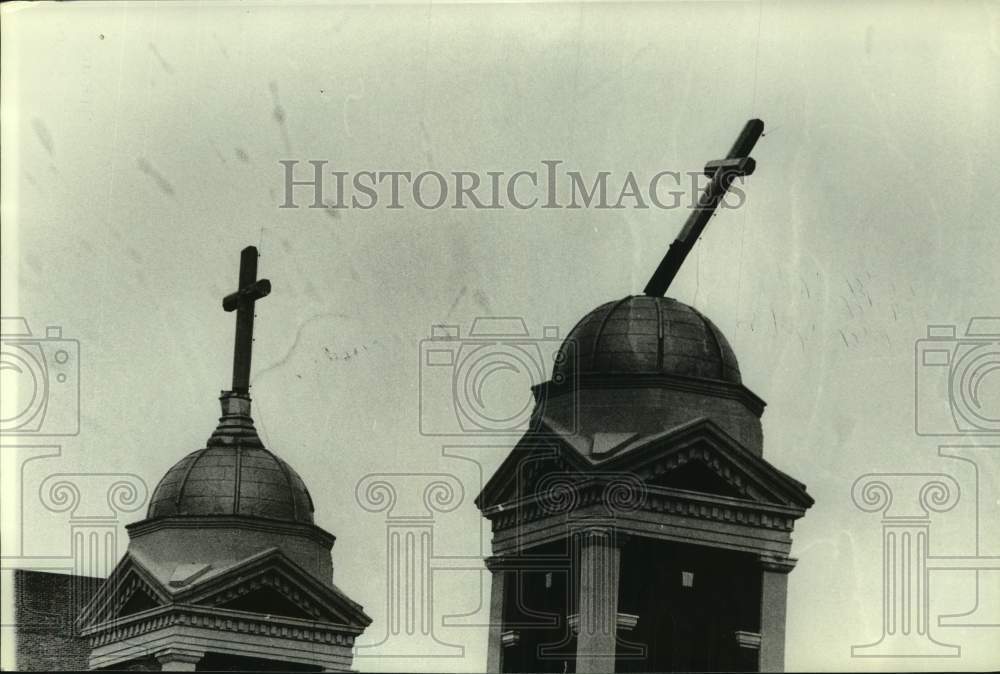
[228,571]
[637,526]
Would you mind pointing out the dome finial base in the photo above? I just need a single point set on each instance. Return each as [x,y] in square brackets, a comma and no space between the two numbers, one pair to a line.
[235,425]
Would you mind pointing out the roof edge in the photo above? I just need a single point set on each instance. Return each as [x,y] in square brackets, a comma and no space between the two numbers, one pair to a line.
[151,524]
[719,388]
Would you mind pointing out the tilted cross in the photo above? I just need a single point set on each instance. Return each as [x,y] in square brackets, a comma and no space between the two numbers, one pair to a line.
[722,172]
[242,302]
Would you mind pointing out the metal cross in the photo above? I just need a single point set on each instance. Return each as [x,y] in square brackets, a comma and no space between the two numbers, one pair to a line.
[722,172]
[242,302]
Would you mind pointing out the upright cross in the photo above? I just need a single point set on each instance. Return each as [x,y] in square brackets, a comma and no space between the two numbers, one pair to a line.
[242,302]
[722,172]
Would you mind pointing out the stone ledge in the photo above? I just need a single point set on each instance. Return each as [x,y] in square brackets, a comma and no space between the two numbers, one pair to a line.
[310,531]
[331,657]
[749,640]
[657,499]
[222,620]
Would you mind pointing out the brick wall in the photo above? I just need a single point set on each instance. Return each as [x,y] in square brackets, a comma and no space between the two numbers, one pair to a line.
[45,608]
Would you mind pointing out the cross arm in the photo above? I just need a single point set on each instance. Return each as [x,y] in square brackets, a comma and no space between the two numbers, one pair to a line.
[254,291]
[742,166]
[723,172]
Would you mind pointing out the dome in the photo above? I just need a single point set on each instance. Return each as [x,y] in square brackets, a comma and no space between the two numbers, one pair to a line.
[234,475]
[247,481]
[647,335]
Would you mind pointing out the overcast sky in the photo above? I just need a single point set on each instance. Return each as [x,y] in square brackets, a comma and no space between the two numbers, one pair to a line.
[141,144]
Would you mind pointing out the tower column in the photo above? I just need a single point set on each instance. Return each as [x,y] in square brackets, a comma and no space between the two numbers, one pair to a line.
[494,653]
[773,604]
[598,563]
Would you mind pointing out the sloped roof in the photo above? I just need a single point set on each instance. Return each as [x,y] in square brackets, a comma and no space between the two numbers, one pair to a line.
[167,588]
[634,455]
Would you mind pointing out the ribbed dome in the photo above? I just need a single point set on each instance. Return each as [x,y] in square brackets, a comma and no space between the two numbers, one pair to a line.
[232,481]
[648,335]
[234,475]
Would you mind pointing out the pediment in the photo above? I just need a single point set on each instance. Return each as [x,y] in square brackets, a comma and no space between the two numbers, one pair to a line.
[533,460]
[698,457]
[667,456]
[697,476]
[271,584]
[131,588]
[268,583]
[267,600]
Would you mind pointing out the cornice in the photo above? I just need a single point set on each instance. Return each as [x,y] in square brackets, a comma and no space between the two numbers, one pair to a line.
[220,620]
[655,500]
[617,380]
[777,564]
[310,531]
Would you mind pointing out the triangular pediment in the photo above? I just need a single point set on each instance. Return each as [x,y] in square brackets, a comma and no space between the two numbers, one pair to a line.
[698,457]
[269,601]
[697,476]
[140,601]
[269,583]
[705,445]
[131,588]
[534,462]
